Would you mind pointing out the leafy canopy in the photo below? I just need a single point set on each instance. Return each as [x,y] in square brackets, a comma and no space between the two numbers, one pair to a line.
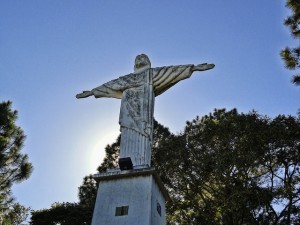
[14,165]
[291,55]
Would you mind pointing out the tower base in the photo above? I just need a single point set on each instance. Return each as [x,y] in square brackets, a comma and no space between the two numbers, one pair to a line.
[130,197]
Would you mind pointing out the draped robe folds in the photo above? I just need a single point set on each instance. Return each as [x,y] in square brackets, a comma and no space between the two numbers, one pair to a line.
[138,91]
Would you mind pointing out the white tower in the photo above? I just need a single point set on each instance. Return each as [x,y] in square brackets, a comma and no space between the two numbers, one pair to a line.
[130,197]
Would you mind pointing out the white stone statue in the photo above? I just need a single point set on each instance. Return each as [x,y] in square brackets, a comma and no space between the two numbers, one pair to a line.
[137,91]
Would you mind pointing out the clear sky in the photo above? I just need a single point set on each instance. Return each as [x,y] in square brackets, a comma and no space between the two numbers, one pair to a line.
[52,50]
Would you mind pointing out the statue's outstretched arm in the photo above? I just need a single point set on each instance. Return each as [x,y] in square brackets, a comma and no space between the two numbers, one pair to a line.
[101,92]
[84,94]
[203,67]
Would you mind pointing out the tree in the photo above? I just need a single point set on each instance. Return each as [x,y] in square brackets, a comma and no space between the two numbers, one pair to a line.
[62,213]
[235,169]
[17,214]
[87,192]
[14,165]
[291,56]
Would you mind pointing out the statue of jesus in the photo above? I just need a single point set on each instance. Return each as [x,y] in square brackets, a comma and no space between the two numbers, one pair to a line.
[138,91]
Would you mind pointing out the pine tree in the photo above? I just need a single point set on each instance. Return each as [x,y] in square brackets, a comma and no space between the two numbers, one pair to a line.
[232,168]
[14,166]
[291,56]
[17,215]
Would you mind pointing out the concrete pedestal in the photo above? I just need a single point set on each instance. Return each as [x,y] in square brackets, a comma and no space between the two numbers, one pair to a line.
[130,197]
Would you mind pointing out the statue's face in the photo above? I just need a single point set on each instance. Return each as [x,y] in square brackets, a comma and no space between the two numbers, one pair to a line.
[141,62]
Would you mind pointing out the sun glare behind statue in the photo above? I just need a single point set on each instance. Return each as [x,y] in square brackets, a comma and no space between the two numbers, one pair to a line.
[97,152]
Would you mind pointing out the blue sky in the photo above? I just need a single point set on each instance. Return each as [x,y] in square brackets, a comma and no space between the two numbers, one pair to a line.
[52,50]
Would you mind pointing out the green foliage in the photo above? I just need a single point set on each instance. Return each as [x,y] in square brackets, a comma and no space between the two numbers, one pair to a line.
[14,166]
[230,168]
[87,192]
[63,214]
[17,214]
[291,56]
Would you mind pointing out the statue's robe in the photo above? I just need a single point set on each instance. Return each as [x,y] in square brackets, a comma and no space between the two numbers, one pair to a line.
[138,91]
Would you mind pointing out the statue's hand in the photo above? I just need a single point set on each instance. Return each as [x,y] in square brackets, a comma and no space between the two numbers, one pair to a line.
[203,66]
[84,94]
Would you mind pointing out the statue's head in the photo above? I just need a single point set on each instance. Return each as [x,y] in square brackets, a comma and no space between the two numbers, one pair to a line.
[141,62]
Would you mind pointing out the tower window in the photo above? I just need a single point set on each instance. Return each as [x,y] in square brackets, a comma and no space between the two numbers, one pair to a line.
[122,211]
